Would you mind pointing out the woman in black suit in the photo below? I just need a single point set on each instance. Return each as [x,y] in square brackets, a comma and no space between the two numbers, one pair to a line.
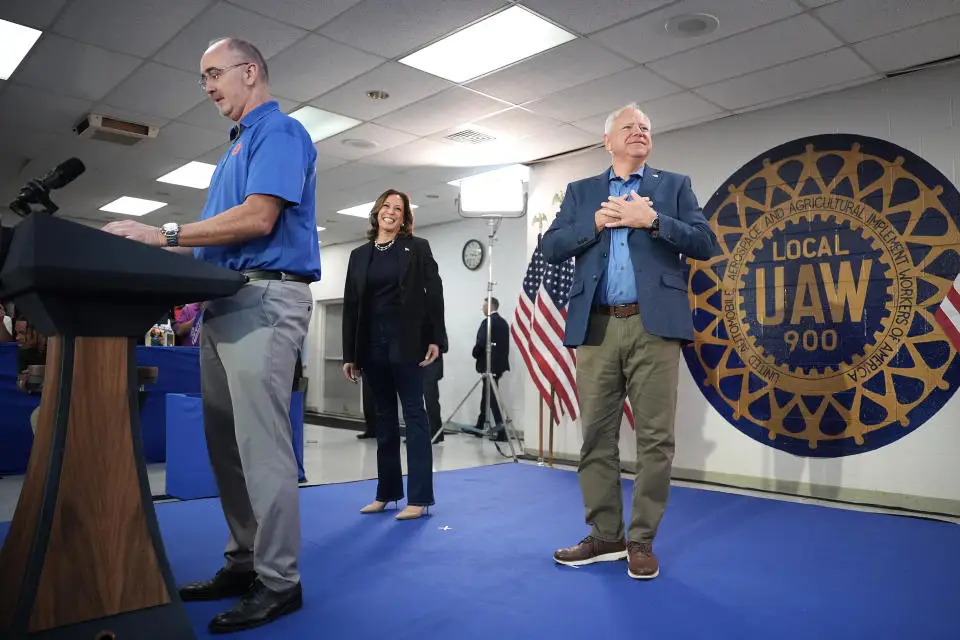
[392,326]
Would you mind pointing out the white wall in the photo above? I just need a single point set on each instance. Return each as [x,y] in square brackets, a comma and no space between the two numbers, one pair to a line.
[918,112]
[464,291]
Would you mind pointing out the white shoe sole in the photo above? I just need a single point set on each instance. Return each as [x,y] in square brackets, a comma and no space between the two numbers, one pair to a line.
[604,557]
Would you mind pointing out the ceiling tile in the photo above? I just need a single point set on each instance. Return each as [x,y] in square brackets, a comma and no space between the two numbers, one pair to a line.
[513,124]
[38,14]
[405,85]
[645,38]
[419,153]
[306,14]
[384,138]
[678,108]
[390,28]
[22,143]
[565,66]
[207,116]
[605,94]
[350,175]
[138,28]
[933,41]
[823,70]
[72,68]
[304,70]
[178,140]
[856,20]
[815,3]
[587,17]
[451,108]
[780,42]
[35,109]
[186,49]
[158,90]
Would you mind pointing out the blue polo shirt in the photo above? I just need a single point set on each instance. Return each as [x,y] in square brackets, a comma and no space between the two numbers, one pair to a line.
[271,154]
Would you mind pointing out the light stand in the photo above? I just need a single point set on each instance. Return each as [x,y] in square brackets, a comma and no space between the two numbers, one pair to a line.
[491,387]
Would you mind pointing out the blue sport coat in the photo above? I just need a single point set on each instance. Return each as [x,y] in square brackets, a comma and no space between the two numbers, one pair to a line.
[657,262]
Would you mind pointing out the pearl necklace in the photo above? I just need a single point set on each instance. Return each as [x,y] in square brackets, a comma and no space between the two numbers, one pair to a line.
[384,247]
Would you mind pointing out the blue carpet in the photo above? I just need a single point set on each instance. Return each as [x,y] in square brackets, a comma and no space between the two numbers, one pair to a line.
[480,567]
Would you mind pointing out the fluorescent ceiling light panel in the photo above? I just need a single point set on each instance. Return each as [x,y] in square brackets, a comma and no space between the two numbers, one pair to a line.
[17,41]
[321,228]
[493,43]
[132,206]
[193,174]
[510,172]
[362,210]
[322,124]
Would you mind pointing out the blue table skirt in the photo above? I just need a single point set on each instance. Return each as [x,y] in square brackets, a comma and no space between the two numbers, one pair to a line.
[179,372]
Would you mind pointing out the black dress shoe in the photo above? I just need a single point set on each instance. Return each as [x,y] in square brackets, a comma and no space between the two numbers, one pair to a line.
[258,607]
[226,584]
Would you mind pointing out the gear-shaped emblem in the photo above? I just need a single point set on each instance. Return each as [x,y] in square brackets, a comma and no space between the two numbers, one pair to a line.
[815,327]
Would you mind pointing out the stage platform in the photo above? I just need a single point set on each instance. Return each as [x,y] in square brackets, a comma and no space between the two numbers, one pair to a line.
[480,567]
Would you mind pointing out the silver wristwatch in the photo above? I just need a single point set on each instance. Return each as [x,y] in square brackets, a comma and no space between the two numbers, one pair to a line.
[171,231]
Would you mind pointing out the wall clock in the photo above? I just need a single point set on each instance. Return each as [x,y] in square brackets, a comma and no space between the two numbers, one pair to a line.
[472,254]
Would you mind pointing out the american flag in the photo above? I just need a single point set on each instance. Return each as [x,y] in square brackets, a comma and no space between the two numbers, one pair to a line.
[538,328]
[948,315]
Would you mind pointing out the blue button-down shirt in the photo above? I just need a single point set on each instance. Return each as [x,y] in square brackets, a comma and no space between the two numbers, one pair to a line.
[619,283]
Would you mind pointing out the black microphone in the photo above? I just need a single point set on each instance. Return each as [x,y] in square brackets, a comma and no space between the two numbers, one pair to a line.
[38,191]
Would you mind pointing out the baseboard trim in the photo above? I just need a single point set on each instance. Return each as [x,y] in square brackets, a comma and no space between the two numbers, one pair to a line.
[914,505]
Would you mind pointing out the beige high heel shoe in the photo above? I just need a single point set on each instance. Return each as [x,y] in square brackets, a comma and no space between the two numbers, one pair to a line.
[376,506]
[412,512]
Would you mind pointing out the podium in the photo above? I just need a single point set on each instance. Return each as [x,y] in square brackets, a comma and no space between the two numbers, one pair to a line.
[83,557]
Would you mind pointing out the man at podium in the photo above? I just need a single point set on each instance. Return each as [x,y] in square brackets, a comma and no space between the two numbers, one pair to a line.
[259,219]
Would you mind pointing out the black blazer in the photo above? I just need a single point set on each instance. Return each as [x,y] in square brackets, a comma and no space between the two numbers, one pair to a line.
[420,321]
[500,353]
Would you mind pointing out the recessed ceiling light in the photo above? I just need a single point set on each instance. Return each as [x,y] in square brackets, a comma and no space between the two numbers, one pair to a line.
[193,174]
[689,25]
[362,210]
[132,206]
[493,43]
[321,228]
[17,41]
[378,95]
[322,124]
[358,143]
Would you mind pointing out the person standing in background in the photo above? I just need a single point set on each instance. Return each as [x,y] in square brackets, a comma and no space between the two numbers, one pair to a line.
[393,327]
[260,220]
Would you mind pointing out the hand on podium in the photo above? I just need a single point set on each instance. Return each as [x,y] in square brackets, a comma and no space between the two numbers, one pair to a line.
[136,231]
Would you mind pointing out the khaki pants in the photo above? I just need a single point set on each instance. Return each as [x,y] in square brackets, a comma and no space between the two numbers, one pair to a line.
[626,361]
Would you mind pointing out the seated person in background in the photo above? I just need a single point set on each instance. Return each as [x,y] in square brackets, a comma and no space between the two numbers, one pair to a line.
[186,325]
[6,325]
[31,351]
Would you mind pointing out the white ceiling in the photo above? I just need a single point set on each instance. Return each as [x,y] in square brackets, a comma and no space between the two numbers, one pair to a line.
[138,59]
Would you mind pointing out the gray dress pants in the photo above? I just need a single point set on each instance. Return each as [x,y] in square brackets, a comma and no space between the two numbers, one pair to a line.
[249,345]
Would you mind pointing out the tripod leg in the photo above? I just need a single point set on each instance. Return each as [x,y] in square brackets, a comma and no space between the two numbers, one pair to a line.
[454,412]
[507,420]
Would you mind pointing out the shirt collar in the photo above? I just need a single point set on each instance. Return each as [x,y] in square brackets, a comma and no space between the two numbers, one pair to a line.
[253,117]
[636,174]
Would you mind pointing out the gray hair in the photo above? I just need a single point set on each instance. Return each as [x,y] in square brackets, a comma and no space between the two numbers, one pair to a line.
[248,51]
[613,116]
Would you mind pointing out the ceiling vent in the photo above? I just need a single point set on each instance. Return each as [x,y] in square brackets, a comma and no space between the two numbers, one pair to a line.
[113,130]
[470,136]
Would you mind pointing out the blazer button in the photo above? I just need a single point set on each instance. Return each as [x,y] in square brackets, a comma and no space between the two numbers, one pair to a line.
[604,254]
[594,277]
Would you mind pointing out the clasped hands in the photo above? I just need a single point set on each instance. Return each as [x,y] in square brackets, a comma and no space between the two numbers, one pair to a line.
[618,211]
[352,372]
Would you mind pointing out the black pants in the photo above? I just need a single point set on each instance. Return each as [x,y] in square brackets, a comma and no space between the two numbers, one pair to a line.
[389,379]
[431,396]
[494,405]
[369,408]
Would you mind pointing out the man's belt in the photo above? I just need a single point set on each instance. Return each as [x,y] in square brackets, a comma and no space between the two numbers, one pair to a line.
[618,310]
[263,274]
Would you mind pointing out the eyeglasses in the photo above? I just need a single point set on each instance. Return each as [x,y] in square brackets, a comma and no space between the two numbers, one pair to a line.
[214,73]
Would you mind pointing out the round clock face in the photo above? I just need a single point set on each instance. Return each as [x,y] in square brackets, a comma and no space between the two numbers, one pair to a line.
[472,254]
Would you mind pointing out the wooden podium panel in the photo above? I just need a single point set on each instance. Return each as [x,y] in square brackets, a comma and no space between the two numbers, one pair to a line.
[83,557]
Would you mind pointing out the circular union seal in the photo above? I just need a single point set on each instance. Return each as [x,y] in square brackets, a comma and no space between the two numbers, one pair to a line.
[815,329]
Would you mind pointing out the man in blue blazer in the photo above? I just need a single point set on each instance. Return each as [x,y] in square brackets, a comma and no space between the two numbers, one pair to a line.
[628,230]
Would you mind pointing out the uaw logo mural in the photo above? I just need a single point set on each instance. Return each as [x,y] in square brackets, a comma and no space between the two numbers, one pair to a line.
[815,327]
